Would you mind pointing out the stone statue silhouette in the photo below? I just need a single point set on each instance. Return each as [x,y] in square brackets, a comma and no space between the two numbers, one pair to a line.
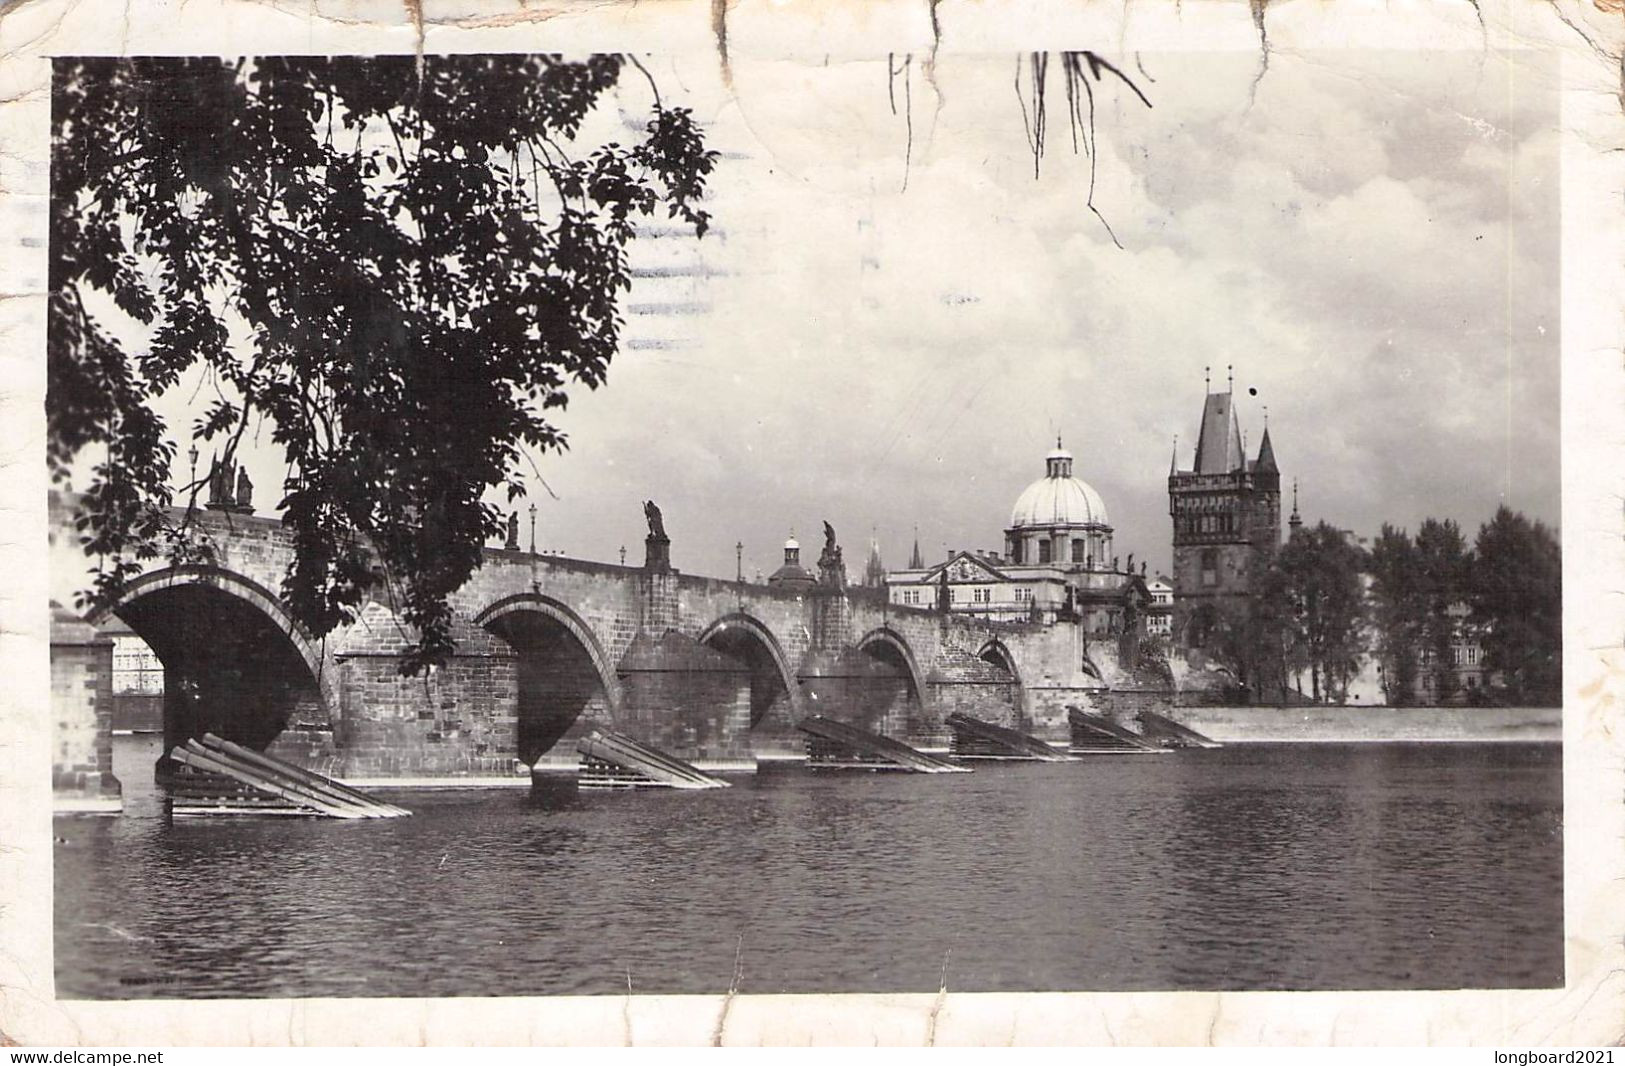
[512,543]
[220,483]
[245,489]
[657,525]
[830,567]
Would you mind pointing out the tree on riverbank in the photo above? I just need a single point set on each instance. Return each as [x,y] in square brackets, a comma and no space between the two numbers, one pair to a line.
[1398,610]
[1444,569]
[401,263]
[1517,603]
[1312,591]
[1414,586]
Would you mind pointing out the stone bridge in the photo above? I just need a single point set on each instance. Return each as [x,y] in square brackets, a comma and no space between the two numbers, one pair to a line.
[716,672]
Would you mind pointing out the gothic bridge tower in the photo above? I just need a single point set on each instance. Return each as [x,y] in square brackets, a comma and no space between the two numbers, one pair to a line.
[1227,521]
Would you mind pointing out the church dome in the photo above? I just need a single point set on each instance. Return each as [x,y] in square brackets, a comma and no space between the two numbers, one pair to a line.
[1058,498]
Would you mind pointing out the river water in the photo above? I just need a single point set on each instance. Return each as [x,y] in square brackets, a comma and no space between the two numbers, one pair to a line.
[1306,866]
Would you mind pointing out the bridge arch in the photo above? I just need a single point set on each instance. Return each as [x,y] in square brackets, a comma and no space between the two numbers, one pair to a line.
[995,652]
[236,663]
[563,672]
[227,581]
[897,706]
[748,639]
[888,645]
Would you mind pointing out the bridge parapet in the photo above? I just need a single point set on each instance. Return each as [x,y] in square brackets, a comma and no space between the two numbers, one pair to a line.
[716,671]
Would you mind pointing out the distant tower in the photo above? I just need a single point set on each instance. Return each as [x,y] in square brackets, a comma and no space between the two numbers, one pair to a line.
[1226,514]
[915,561]
[874,571]
[1295,523]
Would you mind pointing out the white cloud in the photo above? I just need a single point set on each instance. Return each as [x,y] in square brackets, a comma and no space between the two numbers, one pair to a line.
[1371,242]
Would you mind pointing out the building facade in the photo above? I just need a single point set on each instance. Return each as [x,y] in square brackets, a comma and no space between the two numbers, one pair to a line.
[1057,564]
[1159,617]
[1464,678]
[1226,512]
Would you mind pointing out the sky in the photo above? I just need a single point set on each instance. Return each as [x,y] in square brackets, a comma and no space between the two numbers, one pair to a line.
[894,317]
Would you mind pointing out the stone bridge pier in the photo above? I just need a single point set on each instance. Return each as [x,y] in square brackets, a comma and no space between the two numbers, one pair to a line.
[715,672]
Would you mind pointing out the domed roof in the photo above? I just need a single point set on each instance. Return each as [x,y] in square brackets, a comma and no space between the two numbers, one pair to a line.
[1058,498]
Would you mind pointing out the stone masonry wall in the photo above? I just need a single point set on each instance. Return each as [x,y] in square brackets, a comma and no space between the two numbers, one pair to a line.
[465,717]
[82,706]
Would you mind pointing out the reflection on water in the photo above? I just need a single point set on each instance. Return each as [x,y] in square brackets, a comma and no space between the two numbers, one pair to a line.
[1290,866]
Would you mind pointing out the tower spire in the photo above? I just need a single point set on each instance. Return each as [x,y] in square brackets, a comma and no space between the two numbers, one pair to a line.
[874,570]
[1173,460]
[1295,523]
[915,561]
[1266,455]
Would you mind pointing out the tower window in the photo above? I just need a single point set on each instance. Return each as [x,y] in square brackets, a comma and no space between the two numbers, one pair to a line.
[1043,551]
[1210,568]
[1077,551]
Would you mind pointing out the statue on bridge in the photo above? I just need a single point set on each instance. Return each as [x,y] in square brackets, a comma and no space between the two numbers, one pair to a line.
[219,483]
[222,477]
[511,543]
[831,568]
[656,546]
[657,524]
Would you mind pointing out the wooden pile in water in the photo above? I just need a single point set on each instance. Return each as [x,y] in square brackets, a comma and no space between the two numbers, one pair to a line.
[835,744]
[1097,734]
[613,760]
[1171,734]
[216,776]
[976,739]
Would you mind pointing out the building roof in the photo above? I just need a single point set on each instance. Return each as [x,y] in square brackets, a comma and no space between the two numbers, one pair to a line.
[1058,498]
[1218,449]
[1266,456]
[965,566]
[69,628]
[791,574]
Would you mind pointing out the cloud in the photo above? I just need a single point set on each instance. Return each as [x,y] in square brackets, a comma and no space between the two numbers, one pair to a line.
[1370,242]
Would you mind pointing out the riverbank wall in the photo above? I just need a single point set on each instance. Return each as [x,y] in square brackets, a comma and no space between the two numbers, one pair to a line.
[1352,724]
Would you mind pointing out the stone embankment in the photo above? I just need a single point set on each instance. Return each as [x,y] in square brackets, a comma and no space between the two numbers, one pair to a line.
[1372,724]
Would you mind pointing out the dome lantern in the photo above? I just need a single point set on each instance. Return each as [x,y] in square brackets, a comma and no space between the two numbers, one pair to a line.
[1058,498]
[1059,462]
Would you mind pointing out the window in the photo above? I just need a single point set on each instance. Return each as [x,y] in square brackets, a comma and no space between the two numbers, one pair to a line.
[1015,551]
[1077,551]
[1210,567]
[1043,551]
[982,595]
[1024,595]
